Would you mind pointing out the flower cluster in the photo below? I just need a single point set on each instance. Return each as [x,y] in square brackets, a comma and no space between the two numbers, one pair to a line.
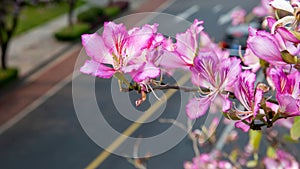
[259,88]
[221,81]
[205,161]
[135,52]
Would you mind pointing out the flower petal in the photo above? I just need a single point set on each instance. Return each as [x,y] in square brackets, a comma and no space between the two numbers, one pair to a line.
[115,37]
[187,42]
[140,38]
[171,60]
[289,106]
[145,72]
[257,100]
[286,34]
[195,77]
[282,5]
[280,80]
[186,46]
[271,22]
[97,69]
[226,103]
[204,68]
[96,49]
[228,70]
[265,47]
[270,163]
[197,107]
[292,49]
[244,89]
[242,125]
[251,60]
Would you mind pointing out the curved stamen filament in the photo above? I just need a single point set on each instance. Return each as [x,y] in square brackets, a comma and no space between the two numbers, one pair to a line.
[284,21]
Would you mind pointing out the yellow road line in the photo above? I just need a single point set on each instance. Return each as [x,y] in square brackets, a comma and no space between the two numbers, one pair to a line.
[133,127]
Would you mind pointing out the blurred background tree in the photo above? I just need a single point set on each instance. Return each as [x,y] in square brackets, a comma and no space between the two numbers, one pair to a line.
[9,15]
[71,12]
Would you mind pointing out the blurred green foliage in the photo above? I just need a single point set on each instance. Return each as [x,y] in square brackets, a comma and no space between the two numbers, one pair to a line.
[112,11]
[35,15]
[72,33]
[8,75]
[90,15]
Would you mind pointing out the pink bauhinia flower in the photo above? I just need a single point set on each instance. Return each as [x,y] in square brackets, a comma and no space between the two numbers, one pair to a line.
[250,98]
[285,38]
[279,48]
[287,6]
[189,45]
[182,53]
[288,92]
[146,65]
[265,46]
[290,22]
[118,50]
[218,77]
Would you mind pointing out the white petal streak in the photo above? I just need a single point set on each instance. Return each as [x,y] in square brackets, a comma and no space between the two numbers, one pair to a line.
[282,5]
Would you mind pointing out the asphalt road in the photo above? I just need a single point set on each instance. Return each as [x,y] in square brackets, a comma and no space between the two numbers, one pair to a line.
[52,137]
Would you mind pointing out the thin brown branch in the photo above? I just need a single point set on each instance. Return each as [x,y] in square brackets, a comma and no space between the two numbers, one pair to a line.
[185,89]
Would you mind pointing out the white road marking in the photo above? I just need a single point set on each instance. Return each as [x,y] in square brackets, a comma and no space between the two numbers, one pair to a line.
[187,13]
[225,18]
[217,8]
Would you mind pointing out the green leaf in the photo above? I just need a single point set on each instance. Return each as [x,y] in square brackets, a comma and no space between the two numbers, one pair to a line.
[230,115]
[234,155]
[296,119]
[289,139]
[288,58]
[251,164]
[255,138]
[295,130]
[271,152]
[296,34]
[263,63]
[120,76]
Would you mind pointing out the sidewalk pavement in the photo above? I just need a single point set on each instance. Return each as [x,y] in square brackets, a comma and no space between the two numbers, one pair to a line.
[37,46]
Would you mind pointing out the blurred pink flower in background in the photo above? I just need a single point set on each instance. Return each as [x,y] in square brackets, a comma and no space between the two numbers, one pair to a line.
[208,161]
[238,16]
[264,9]
[282,160]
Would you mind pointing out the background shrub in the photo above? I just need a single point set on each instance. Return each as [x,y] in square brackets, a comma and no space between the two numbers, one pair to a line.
[91,15]
[72,33]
